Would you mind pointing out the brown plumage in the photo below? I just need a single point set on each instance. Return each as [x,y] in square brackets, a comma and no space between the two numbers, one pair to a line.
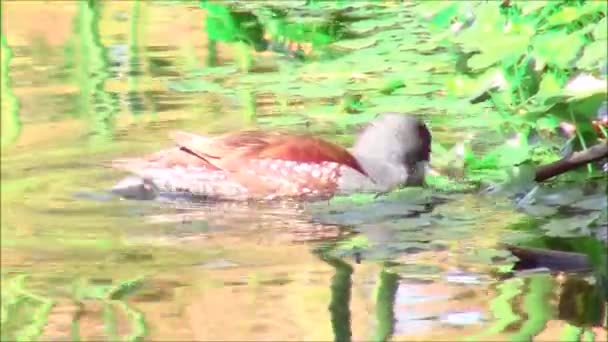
[228,151]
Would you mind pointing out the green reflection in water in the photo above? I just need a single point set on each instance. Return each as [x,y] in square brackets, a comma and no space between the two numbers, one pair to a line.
[11,123]
[537,305]
[100,106]
[211,52]
[590,246]
[588,336]
[137,60]
[571,333]
[117,295]
[113,300]
[24,313]
[245,58]
[501,308]
[78,296]
[581,302]
[388,283]
[248,99]
[109,321]
[339,308]
[134,59]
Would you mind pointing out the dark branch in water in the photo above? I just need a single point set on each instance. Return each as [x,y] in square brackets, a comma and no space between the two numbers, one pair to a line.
[573,161]
[530,258]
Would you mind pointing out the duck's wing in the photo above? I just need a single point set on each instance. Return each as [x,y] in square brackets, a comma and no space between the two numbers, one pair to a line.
[229,151]
[165,159]
[198,151]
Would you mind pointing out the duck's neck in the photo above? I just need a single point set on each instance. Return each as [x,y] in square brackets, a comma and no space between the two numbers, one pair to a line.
[381,176]
[384,173]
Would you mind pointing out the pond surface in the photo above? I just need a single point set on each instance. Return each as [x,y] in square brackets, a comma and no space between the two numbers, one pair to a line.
[94,84]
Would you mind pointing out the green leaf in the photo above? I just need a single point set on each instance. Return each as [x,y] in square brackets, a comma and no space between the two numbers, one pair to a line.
[354,243]
[493,43]
[444,16]
[549,84]
[392,85]
[548,122]
[220,24]
[356,44]
[510,155]
[473,163]
[484,60]
[601,30]
[443,183]
[565,16]
[596,202]
[528,7]
[571,226]
[359,198]
[568,45]
[593,55]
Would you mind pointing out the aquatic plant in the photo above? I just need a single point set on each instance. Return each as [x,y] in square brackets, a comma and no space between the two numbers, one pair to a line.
[538,64]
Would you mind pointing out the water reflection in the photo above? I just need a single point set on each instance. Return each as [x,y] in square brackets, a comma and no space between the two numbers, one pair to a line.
[388,285]
[96,102]
[11,123]
[339,306]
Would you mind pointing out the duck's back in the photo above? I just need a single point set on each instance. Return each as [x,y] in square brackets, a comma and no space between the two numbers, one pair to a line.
[247,165]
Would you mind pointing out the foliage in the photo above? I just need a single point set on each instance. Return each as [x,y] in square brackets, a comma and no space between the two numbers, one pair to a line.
[503,54]
[277,27]
[225,24]
[538,64]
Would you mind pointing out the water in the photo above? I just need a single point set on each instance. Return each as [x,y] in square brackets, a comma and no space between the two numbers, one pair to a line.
[77,263]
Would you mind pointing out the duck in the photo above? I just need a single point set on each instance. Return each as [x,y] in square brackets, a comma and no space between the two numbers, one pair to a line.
[391,151]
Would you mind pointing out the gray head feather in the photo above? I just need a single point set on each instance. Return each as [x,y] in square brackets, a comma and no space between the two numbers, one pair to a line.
[394,149]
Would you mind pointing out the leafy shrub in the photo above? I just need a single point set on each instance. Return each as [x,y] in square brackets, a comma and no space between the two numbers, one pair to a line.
[539,63]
